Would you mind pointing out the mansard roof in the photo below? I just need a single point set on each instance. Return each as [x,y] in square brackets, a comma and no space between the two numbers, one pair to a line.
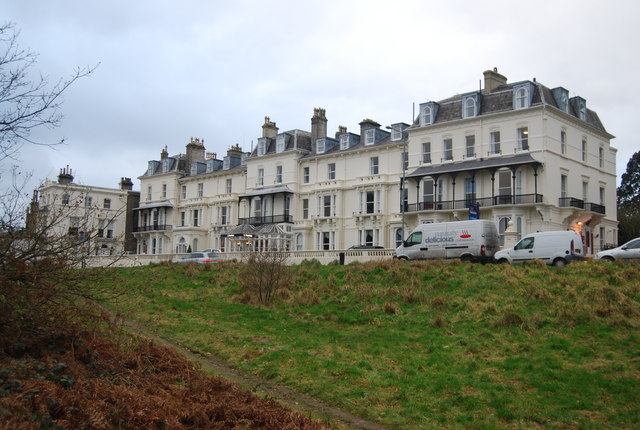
[501,99]
[294,139]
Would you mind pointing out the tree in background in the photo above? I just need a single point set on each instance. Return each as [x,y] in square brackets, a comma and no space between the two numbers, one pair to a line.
[25,104]
[36,287]
[629,201]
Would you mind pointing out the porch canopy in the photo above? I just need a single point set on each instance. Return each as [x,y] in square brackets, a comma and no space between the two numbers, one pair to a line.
[163,204]
[268,191]
[473,166]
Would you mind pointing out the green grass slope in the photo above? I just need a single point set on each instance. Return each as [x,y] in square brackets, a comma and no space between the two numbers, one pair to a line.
[419,344]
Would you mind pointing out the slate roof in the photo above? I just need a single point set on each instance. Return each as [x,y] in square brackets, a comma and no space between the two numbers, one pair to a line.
[501,100]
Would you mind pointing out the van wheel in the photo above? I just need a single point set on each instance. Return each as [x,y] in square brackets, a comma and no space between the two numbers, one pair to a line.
[559,262]
[403,258]
[466,259]
[607,258]
[503,261]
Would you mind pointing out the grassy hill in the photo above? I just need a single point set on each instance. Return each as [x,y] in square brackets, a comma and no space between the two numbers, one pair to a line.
[419,344]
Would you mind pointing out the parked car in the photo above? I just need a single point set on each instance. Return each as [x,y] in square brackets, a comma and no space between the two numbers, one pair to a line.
[473,240]
[201,257]
[553,247]
[217,251]
[628,251]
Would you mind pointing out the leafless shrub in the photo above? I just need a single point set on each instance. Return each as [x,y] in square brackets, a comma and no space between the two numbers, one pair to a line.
[266,272]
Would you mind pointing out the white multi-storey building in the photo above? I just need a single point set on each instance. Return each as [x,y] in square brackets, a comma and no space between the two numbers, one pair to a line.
[100,219]
[517,152]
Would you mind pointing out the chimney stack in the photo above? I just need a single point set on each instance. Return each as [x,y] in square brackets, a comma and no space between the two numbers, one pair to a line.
[318,124]
[493,79]
[126,184]
[65,177]
[195,151]
[164,154]
[269,128]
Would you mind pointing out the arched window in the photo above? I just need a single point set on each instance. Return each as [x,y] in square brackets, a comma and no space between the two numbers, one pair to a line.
[399,237]
[299,242]
[182,246]
[522,98]
[426,115]
[469,108]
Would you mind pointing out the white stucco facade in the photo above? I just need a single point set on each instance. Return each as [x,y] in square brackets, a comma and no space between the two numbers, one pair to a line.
[522,152]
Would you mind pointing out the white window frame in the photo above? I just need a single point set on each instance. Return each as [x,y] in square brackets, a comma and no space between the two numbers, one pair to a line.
[374,167]
[426,116]
[279,174]
[521,98]
[184,191]
[344,141]
[200,189]
[229,185]
[470,142]
[426,152]
[396,132]
[305,175]
[280,143]
[469,108]
[260,181]
[320,146]
[331,171]
[585,150]
[447,149]
[494,139]
[563,142]
[370,136]
[523,138]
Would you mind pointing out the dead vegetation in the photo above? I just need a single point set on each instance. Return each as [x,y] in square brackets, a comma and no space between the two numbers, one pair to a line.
[82,380]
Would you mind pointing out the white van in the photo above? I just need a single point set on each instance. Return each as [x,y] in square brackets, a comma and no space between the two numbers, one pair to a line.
[474,240]
[552,247]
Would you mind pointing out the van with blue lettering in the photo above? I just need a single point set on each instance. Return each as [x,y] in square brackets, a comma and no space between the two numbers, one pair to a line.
[474,240]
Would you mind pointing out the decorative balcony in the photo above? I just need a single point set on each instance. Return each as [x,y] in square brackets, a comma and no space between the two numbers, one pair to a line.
[502,200]
[152,227]
[572,202]
[268,219]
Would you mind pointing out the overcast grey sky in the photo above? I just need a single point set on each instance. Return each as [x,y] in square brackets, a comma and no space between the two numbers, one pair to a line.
[170,70]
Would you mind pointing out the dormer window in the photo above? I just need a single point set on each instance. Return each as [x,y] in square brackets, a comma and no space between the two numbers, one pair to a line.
[280,143]
[262,143]
[344,141]
[582,110]
[428,113]
[522,97]
[397,131]
[152,168]
[320,146]
[370,136]
[426,116]
[561,96]
[469,108]
[166,165]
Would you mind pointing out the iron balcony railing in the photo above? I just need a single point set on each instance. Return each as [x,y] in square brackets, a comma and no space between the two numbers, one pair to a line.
[517,199]
[152,227]
[268,219]
[572,202]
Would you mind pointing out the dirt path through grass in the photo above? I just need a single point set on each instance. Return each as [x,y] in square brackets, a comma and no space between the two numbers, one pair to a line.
[296,401]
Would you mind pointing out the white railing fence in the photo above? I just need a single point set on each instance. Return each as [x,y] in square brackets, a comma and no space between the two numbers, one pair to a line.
[345,256]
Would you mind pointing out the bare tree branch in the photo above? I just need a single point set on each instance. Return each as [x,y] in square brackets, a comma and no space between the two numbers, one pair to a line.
[27,104]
